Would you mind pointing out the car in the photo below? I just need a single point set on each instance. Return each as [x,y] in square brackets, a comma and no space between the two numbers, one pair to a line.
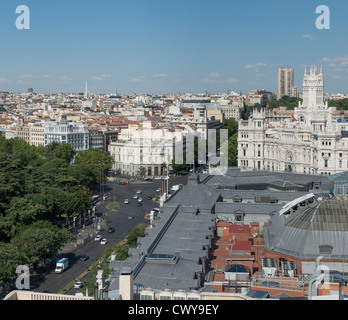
[139,191]
[149,198]
[98,237]
[158,190]
[148,179]
[126,201]
[135,196]
[165,178]
[158,178]
[78,285]
[130,217]
[111,229]
[104,241]
[84,257]
[139,204]
[140,199]
[126,182]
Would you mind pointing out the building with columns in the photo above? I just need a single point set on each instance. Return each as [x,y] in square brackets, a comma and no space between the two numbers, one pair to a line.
[314,140]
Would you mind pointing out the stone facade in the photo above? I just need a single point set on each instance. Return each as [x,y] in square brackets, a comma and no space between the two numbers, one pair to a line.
[314,140]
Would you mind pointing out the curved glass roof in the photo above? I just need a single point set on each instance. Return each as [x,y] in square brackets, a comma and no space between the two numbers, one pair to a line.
[330,215]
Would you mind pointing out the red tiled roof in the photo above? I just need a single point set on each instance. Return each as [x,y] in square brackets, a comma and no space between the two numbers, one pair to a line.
[242,246]
[239,229]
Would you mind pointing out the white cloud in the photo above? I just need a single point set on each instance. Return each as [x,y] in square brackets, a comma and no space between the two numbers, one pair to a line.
[160,75]
[137,79]
[213,75]
[46,76]
[255,66]
[232,80]
[97,78]
[28,76]
[64,79]
[209,80]
[4,80]
[309,37]
[100,77]
[339,64]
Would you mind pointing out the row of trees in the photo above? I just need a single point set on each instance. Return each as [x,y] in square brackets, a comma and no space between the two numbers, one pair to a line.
[41,189]
[341,104]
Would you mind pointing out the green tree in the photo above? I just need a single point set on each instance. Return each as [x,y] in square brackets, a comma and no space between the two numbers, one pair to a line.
[64,151]
[21,212]
[84,173]
[40,240]
[233,151]
[133,236]
[232,126]
[10,259]
[121,252]
[101,161]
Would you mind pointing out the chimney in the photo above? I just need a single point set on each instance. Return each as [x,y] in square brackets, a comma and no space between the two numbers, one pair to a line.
[126,284]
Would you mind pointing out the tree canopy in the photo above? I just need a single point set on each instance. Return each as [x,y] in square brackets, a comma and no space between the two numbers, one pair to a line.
[41,186]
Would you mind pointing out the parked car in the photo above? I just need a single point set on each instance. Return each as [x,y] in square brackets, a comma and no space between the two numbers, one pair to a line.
[139,204]
[139,191]
[135,196]
[158,190]
[98,237]
[148,179]
[111,229]
[104,241]
[126,201]
[84,257]
[149,198]
[78,285]
[130,217]
[140,199]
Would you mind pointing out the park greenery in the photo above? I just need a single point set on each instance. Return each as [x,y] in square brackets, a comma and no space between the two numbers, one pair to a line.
[341,104]
[42,188]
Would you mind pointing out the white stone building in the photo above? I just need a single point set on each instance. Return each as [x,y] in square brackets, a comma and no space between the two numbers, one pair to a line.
[143,150]
[313,141]
[63,131]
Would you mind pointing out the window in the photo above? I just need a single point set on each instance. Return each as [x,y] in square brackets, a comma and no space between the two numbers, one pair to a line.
[325,163]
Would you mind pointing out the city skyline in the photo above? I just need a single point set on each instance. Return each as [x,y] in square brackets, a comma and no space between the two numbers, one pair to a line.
[161,47]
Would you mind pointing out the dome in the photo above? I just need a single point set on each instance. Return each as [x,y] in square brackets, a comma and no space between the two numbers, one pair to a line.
[320,228]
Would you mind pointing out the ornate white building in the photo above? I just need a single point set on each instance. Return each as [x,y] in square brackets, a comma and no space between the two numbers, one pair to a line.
[312,141]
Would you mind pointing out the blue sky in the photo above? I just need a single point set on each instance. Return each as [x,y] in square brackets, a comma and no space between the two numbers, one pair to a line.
[161,46]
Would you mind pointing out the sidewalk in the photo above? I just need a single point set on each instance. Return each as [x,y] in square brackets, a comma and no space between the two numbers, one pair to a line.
[83,236]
